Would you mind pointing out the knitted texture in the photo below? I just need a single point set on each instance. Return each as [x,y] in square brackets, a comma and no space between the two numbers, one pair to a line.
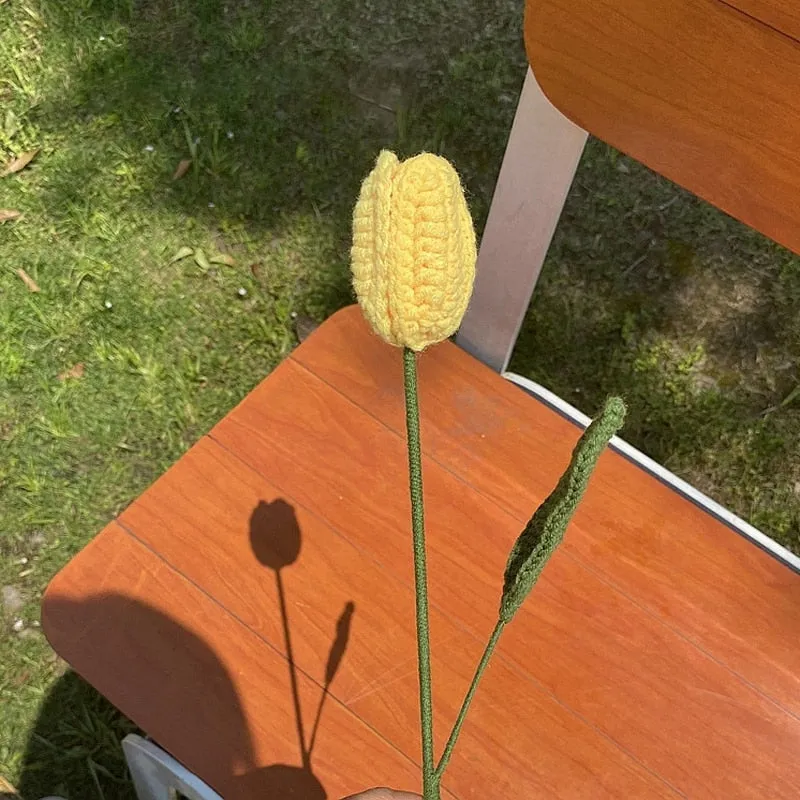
[546,528]
[430,783]
[413,254]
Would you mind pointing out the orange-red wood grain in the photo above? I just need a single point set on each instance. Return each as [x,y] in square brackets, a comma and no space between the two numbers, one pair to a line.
[696,89]
[683,566]
[198,516]
[206,687]
[782,15]
[588,660]
[655,658]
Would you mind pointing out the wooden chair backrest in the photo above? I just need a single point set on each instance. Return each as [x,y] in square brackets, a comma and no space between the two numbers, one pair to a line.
[705,92]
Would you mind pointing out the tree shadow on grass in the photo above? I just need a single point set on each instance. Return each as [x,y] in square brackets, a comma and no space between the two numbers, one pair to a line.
[282,106]
[74,749]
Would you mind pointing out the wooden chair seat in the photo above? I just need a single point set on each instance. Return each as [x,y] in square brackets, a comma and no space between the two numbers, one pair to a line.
[656,658]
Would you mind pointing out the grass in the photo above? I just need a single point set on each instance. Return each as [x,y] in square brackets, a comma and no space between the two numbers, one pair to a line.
[282,107]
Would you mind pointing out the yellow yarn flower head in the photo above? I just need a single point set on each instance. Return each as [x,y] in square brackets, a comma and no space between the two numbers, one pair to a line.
[413,254]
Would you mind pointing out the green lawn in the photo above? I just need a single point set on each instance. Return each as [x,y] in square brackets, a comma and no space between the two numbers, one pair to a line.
[128,354]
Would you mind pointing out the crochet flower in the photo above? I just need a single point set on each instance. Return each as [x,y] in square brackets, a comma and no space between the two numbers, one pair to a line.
[413,254]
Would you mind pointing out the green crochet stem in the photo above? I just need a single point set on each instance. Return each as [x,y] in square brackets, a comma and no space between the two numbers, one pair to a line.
[533,548]
[430,779]
[484,662]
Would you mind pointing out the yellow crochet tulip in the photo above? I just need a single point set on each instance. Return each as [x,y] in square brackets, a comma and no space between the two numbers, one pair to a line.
[413,254]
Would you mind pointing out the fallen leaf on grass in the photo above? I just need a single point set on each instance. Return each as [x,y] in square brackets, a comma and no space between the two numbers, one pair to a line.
[11,123]
[184,252]
[255,269]
[19,163]
[28,281]
[73,372]
[181,169]
[20,679]
[58,667]
[223,258]
[7,214]
[201,260]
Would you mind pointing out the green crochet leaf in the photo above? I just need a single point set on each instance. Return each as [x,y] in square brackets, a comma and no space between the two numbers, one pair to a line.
[546,528]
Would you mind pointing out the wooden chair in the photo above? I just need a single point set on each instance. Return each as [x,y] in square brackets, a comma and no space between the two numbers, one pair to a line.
[253,612]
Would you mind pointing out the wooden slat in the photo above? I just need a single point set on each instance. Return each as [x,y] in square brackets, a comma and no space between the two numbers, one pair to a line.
[688,569]
[634,678]
[200,517]
[202,684]
[782,15]
[695,89]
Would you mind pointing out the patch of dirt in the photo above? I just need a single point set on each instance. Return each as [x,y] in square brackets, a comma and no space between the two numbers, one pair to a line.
[12,599]
[706,299]
[37,540]
[731,315]
[385,90]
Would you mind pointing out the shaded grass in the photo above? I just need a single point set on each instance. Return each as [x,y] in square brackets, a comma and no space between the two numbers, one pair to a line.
[282,107]
[75,749]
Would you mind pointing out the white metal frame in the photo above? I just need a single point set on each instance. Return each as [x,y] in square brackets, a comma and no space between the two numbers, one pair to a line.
[541,157]
[158,776]
[539,164]
[664,475]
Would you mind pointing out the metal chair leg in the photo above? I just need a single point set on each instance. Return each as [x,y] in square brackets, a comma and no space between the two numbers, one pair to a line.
[543,151]
[158,776]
